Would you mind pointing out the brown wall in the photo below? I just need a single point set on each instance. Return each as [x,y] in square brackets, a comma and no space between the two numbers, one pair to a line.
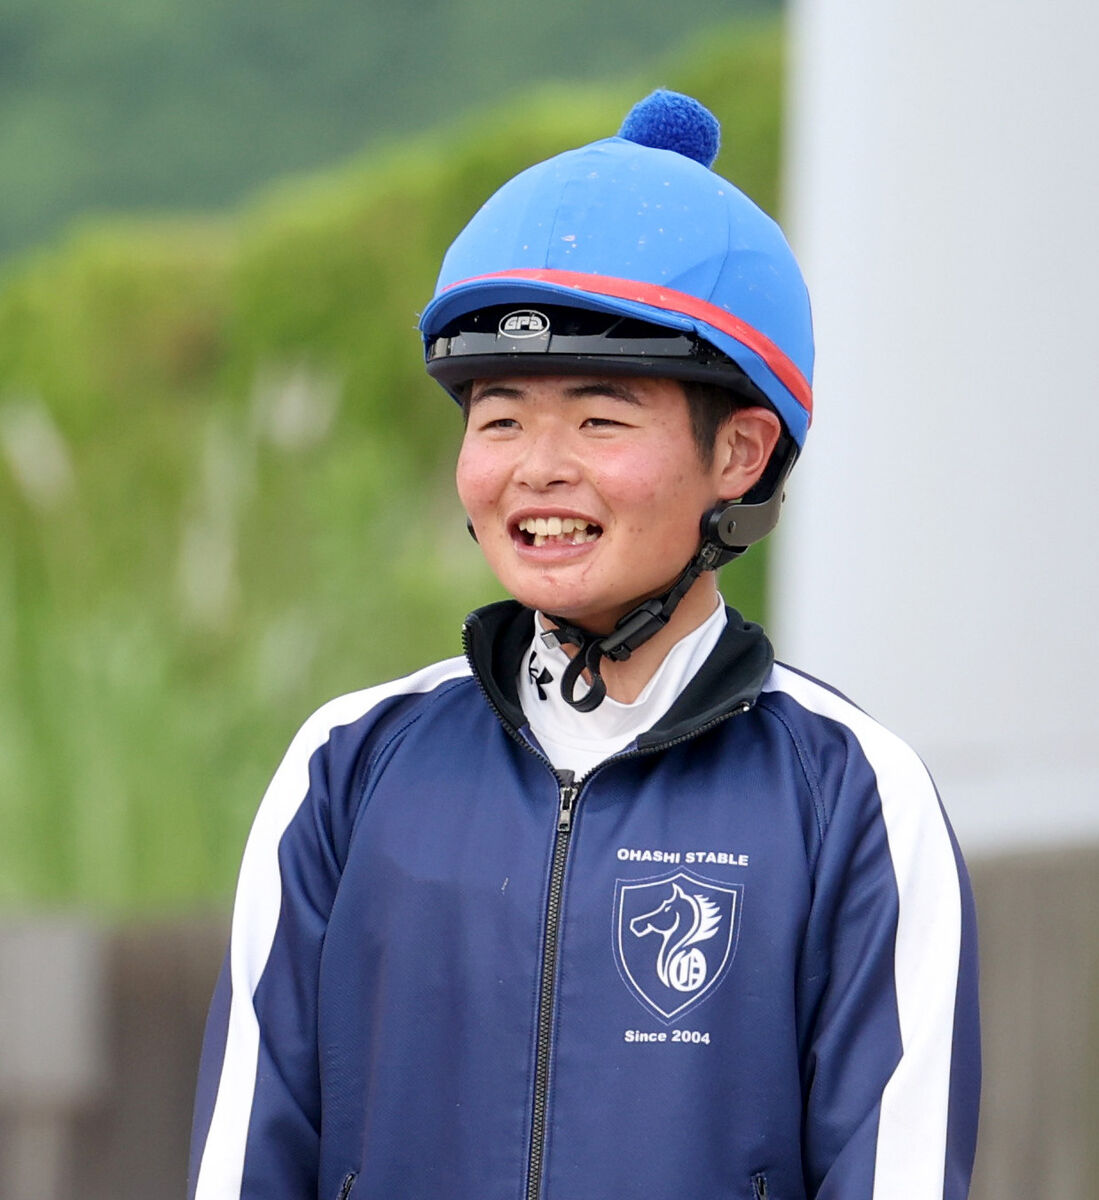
[1039,930]
[134,1144]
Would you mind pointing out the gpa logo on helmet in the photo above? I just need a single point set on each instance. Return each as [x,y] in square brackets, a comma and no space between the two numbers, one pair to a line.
[674,939]
[524,323]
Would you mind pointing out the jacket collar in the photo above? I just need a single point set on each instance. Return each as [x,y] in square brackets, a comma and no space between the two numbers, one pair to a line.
[497,637]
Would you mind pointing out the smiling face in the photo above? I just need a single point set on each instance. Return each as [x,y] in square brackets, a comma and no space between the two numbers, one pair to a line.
[586,493]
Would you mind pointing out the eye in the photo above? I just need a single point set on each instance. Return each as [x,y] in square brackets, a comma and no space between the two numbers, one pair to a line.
[487,423]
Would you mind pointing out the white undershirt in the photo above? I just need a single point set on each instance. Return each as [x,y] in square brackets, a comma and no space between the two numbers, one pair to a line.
[576,741]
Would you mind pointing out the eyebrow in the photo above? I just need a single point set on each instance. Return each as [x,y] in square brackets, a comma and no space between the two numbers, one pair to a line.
[579,391]
[604,387]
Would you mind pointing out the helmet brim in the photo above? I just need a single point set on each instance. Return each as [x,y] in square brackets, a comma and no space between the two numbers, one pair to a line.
[782,384]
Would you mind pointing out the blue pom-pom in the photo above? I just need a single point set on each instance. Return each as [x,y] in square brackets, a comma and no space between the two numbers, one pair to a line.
[671,121]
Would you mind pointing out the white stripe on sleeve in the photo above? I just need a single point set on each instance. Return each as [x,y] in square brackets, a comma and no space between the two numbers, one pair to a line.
[255,919]
[911,1147]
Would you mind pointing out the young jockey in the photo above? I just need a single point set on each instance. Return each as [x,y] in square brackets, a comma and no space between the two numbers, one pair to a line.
[613,905]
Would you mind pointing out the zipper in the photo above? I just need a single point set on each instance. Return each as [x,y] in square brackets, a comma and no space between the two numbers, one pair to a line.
[759,1187]
[568,795]
[346,1186]
[568,792]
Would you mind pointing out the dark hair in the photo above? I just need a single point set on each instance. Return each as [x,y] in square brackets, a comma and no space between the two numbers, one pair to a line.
[710,405]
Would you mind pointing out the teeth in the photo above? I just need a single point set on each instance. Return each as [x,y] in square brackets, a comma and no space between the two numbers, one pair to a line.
[576,529]
[552,525]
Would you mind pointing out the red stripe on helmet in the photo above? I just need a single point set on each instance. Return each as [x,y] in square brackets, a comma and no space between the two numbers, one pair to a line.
[672,301]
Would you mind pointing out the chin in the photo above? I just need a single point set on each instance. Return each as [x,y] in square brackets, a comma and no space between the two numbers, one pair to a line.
[596,618]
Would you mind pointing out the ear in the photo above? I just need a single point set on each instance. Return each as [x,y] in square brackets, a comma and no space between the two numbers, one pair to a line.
[743,449]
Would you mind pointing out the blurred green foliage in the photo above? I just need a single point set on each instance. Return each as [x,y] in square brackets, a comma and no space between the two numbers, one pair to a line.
[225,484]
[149,104]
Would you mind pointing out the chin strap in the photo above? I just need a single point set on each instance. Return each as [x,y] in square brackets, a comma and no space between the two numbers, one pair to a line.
[631,631]
[727,531]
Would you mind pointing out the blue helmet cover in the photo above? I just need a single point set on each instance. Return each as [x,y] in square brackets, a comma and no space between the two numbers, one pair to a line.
[648,232]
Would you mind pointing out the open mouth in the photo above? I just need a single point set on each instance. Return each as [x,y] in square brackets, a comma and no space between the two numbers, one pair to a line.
[561,531]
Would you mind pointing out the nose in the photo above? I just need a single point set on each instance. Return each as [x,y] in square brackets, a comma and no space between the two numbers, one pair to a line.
[546,461]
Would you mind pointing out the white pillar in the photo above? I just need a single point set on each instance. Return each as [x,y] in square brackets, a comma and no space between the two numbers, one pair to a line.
[937,558]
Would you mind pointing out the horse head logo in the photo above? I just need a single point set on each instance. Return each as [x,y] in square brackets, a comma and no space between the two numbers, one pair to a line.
[690,923]
[681,921]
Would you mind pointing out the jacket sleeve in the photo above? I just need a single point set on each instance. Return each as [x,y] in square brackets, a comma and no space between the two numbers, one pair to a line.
[890,1036]
[257,1111]
[256,1133]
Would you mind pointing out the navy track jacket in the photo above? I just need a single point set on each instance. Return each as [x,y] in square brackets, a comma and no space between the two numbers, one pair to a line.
[735,961]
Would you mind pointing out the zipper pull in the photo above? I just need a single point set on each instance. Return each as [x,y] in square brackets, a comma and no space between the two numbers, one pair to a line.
[569,792]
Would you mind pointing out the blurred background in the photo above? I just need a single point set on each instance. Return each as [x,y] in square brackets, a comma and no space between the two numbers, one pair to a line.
[226,495]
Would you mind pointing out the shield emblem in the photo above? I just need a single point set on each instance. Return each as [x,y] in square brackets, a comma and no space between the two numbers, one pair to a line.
[674,938]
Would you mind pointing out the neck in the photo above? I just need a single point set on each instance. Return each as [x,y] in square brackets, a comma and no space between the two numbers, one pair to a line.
[626,680]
